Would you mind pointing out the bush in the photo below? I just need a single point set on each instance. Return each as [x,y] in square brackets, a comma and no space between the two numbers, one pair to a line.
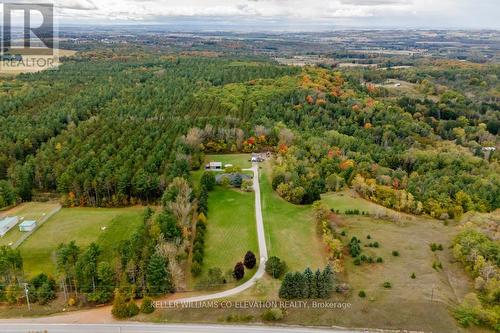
[354,247]
[274,314]
[387,285]
[357,261]
[195,269]
[413,276]
[45,293]
[275,267]
[395,253]
[208,180]
[380,260]
[147,306]
[250,260]
[239,271]
[362,294]
[132,309]
[120,307]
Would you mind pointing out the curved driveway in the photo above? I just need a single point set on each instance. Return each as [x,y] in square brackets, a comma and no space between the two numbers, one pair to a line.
[262,250]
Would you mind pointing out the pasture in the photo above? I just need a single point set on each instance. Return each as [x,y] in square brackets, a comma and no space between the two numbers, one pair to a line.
[105,226]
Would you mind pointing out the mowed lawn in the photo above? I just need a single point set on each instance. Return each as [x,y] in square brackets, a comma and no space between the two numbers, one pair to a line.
[290,230]
[231,229]
[238,160]
[83,225]
[29,211]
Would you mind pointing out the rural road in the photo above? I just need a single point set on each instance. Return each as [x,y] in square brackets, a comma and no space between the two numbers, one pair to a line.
[262,250]
[152,328]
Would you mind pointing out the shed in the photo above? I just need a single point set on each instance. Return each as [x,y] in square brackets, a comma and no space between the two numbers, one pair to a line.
[7,223]
[214,166]
[27,226]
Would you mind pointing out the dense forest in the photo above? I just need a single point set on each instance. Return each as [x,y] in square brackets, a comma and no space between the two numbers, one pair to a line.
[113,130]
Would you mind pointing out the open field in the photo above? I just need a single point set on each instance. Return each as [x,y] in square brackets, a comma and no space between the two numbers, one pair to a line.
[29,211]
[422,304]
[34,63]
[231,230]
[290,230]
[84,225]
[349,200]
[429,295]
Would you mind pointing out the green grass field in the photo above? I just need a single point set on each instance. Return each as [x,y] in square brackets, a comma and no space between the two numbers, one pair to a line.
[349,200]
[29,211]
[84,225]
[290,230]
[238,160]
[231,230]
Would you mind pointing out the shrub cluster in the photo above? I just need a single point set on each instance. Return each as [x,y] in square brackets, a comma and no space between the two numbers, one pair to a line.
[275,267]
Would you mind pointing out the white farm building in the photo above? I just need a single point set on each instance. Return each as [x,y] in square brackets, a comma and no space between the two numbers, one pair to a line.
[27,226]
[6,224]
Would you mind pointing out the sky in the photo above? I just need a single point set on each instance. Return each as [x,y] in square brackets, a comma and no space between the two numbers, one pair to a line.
[284,14]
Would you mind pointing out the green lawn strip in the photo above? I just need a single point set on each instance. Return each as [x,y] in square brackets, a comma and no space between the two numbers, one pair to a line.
[231,230]
[290,231]
[84,225]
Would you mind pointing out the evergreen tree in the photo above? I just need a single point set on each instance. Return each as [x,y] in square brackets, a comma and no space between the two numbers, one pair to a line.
[318,280]
[158,277]
[299,289]
[287,286]
[310,290]
[328,279]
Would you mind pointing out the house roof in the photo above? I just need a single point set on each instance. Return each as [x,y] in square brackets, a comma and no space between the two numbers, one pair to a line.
[7,221]
[231,176]
[27,223]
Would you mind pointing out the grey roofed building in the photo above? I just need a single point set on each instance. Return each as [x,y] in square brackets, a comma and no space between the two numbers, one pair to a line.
[27,226]
[6,224]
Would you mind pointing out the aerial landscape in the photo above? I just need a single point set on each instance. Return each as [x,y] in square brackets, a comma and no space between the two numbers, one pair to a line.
[250,167]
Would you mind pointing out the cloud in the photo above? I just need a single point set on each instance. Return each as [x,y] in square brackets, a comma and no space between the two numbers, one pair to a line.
[77,4]
[414,13]
[375,2]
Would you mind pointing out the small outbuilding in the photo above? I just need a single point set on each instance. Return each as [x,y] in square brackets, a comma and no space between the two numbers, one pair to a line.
[7,223]
[27,226]
[214,166]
